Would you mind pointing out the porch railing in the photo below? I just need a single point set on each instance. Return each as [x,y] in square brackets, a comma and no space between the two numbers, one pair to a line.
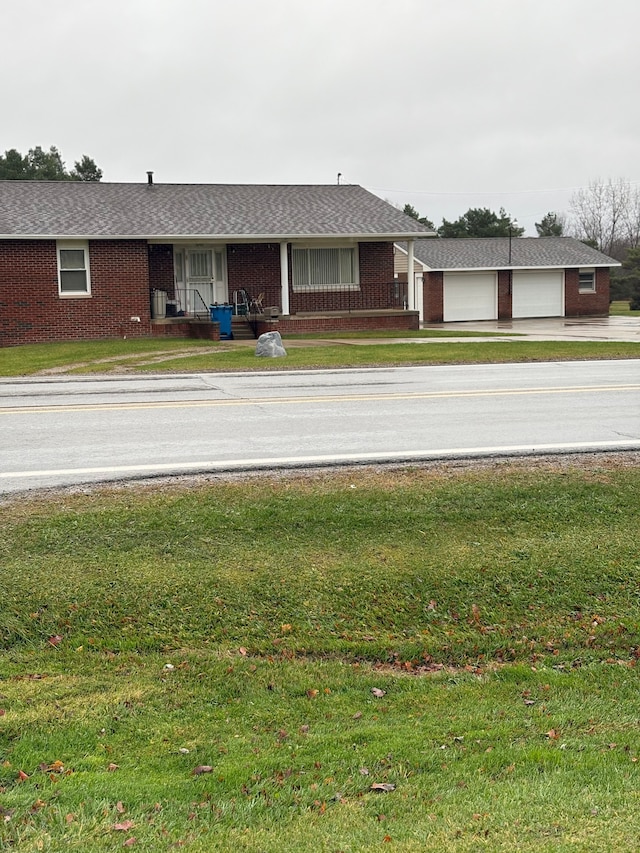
[388,296]
[189,302]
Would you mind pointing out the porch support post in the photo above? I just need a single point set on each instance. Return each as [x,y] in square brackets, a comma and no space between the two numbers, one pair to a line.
[284,277]
[420,295]
[411,283]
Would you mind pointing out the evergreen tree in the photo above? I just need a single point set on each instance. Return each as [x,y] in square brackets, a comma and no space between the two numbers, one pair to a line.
[481,222]
[41,165]
[551,225]
[410,210]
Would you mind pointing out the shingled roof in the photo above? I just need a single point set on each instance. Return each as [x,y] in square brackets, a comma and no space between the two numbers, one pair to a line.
[38,209]
[492,253]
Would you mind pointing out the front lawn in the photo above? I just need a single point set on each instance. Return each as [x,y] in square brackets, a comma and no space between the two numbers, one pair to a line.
[153,355]
[621,309]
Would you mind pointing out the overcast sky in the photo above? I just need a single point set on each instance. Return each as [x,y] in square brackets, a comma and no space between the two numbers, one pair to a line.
[445,104]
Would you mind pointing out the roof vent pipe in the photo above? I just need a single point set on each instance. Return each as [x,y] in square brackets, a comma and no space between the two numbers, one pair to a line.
[150,178]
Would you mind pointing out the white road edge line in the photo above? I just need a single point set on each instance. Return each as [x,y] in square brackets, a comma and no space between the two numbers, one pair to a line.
[330,460]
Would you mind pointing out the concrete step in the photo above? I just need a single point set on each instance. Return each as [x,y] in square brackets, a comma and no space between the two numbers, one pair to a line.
[241,329]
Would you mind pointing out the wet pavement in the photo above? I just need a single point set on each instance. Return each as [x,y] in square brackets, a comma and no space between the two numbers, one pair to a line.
[555,328]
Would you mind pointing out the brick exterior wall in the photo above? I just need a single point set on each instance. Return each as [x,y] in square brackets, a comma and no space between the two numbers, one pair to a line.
[185,329]
[161,269]
[433,296]
[255,268]
[125,272]
[392,320]
[578,304]
[31,310]
[505,295]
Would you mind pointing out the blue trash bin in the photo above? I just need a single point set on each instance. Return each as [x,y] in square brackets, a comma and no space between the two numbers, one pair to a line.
[222,314]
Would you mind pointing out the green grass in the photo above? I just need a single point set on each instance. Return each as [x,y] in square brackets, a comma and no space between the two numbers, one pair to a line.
[391,333]
[151,355]
[496,608]
[621,309]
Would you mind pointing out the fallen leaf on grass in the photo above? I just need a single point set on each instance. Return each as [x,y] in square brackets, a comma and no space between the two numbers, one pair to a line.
[552,734]
[357,715]
[130,842]
[35,807]
[112,767]
[54,767]
[124,826]
[202,768]
[386,787]
[378,693]
[243,651]
[120,807]
[55,640]
[311,694]
[22,776]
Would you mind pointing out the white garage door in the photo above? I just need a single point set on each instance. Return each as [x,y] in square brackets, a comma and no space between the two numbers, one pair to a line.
[538,294]
[470,296]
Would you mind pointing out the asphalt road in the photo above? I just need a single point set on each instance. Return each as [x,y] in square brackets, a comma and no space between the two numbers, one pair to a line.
[64,431]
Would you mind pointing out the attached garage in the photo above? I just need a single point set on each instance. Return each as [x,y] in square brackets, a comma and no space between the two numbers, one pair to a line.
[497,278]
[470,296]
[538,293]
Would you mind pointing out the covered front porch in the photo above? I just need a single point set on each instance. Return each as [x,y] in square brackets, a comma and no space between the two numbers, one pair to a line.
[333,284]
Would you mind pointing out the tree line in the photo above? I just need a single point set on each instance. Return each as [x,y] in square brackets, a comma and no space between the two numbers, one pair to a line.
[40,165]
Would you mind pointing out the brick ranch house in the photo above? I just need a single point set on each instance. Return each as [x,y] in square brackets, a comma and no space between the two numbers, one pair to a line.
[499,278]
[80,261]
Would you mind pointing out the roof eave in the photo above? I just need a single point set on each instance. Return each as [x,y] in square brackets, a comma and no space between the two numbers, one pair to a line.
[225,238]
[566,266]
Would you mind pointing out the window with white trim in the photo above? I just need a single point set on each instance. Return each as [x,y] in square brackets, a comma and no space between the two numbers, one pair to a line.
[324,268]
[73,269]
[587,281]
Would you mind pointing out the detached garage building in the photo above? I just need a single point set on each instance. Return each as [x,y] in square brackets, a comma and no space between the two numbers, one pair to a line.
[499,278]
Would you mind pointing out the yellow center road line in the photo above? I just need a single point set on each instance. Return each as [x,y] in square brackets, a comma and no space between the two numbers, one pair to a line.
[288,401]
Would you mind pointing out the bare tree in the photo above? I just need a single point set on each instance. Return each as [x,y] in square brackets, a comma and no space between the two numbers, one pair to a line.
[632,220]
[607,214]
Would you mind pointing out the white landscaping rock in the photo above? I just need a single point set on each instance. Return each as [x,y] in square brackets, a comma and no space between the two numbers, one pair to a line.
[269,345]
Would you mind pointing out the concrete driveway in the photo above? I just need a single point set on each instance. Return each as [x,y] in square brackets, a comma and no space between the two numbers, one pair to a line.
[556,328]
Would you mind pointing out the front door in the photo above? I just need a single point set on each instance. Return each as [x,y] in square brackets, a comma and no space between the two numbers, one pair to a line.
[200,278]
